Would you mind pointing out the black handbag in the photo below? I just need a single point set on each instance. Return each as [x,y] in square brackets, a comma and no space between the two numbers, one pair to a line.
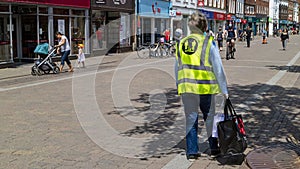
[231,131]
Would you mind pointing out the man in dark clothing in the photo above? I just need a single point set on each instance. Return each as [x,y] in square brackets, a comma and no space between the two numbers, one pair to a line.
[248,35]
[284,37]
[220,38]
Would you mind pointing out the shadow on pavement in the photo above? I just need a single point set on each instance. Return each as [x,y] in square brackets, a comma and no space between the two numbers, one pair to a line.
[269,118]
[294,69]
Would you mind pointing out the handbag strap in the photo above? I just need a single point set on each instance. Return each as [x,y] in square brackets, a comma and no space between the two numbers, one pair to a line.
[228,109]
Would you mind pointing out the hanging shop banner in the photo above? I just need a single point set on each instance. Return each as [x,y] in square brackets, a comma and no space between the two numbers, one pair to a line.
[154,8]
[71,3]
[219,16]
[208,14]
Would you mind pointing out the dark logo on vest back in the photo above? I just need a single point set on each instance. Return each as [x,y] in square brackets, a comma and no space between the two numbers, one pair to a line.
[190,46]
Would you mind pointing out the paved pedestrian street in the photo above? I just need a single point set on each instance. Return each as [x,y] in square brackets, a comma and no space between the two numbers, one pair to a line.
[122,112]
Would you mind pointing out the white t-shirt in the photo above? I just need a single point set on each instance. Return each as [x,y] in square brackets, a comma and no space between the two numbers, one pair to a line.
[81,56]
[66,46]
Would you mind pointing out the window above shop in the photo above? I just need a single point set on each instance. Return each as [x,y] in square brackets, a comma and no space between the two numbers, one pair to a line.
[4,8]
[60,11]
[43,10]
[24,9]
[78,12]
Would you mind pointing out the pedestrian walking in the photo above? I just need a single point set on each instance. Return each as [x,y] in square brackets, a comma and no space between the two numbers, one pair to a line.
[200,77]
[64,49]
[284,38]
[80,55]
[248,35]
[220,37]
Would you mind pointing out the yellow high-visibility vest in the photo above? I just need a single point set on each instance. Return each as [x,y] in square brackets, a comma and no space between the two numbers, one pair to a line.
[195,73]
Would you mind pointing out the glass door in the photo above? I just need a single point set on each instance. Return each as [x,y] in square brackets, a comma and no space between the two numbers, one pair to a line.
[29,35]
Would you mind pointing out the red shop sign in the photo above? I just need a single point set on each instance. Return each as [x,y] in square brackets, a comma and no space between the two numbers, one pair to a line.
[71,3]
[200,3]
[219,16]
[228,17]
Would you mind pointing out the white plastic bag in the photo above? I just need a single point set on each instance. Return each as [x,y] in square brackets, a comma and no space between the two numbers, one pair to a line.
[217,118]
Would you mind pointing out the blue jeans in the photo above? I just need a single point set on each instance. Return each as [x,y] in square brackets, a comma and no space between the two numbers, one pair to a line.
[191,103]
[65,57]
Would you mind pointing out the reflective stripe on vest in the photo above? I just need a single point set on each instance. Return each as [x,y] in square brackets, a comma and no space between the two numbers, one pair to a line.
[194,70]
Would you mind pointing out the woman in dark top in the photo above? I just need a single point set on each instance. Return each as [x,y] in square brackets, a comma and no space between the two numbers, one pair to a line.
[284,37]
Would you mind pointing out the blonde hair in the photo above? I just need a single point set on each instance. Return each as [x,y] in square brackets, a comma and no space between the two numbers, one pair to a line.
[197,23]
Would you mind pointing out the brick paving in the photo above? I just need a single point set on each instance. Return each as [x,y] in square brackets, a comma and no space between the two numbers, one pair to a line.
[40,125]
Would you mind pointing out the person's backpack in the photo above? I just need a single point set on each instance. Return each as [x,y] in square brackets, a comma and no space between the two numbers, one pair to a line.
[219,37]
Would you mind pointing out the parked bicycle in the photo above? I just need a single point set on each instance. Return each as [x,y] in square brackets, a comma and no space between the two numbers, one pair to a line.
[158,50]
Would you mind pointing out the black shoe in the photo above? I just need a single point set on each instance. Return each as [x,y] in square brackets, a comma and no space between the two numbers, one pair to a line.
[232,57]
[215,153]
[193,157]
[234,50]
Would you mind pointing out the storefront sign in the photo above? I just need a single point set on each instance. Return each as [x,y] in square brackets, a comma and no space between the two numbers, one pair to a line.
[126,4]
[100,1]
[172,13]
[155,8]
[228,17]
[82,4]
[219,16]
[200,3]
[208,14]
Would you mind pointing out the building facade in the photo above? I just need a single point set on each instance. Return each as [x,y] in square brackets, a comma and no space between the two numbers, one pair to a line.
[153,19]
[25,24]
[112,25]
[181,10]
[216,12]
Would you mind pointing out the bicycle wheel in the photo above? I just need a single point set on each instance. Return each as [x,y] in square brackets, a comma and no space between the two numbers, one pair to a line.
[143,52]
[163,51]
[232,55]
[227,52]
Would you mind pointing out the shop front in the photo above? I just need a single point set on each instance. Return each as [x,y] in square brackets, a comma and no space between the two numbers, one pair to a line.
[25,24]
[153,19]
[220,19]
[112,26]
[251,22]
[180,20]
[210,19]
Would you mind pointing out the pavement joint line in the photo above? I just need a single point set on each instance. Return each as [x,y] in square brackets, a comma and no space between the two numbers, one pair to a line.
[261,61]
[281,73]
[81,75]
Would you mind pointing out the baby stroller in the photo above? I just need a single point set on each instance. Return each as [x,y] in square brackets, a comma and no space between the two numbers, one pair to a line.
[46,65]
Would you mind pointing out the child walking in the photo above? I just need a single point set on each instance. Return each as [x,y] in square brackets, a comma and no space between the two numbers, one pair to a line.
[80,55]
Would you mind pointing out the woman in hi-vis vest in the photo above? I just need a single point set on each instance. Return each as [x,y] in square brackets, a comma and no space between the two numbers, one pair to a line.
[200,76]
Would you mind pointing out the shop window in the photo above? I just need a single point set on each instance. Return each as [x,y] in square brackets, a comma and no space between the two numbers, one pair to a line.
[77,33]
[4,40]
[98,29]
[43,29]
[61,24]
[146,37]
[29,35]
[125,29]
